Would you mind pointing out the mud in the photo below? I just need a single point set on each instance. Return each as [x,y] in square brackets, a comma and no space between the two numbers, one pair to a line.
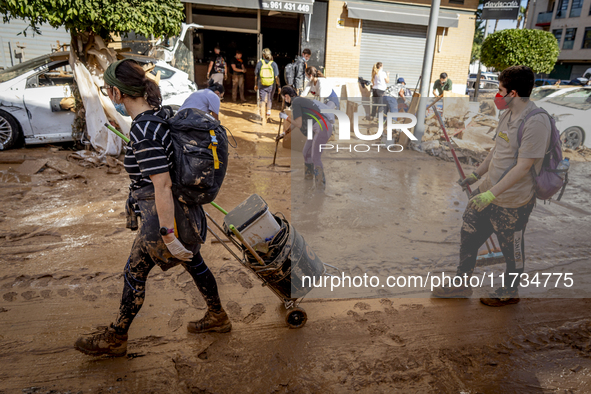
[63,253]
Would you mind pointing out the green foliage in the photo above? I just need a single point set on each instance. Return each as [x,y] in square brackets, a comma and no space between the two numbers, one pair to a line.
[101,17]
[536,49]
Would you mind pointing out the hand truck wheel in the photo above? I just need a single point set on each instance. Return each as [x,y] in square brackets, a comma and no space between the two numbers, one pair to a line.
[296,318]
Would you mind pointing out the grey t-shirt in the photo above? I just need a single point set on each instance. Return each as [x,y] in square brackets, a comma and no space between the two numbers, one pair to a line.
[204,100]
[534,144]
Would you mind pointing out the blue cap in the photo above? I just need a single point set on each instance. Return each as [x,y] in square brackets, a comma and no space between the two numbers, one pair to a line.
[400,80]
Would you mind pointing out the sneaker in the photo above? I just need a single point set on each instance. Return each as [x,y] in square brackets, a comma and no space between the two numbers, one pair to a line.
[501,297]
[211,322]
[104,341]
[452,292]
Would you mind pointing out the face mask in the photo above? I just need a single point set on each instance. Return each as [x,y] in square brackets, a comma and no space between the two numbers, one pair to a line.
[500,102]
[121,109]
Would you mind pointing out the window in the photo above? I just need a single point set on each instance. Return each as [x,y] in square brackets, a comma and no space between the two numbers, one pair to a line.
[59,74]
[575,9]
[558,34]
[561,10]
[587,39]
[569,38]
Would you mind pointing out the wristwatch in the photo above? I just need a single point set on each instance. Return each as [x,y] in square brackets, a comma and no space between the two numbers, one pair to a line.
[165,231]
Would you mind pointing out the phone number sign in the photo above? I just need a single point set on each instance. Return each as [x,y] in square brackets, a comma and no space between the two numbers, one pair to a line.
[287,6]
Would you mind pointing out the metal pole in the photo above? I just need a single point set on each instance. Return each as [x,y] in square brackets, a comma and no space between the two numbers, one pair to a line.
[477,83]
[427,66]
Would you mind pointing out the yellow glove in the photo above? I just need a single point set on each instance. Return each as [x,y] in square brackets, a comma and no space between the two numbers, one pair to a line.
[481,201]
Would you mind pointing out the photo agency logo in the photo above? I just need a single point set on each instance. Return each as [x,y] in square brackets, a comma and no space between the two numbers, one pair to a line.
[394,121]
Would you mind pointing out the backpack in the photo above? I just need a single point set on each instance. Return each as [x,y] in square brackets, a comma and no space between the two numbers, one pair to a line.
[220,65]
[200,147]
[548,182]
[267,75]
[289,74]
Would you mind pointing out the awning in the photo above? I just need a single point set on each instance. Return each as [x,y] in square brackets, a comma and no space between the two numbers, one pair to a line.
[297,6]
[398,13]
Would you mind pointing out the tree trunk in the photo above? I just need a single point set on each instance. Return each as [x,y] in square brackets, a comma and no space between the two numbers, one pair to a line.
[496,24]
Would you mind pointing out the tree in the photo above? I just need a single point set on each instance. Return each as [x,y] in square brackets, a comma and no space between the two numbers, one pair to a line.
[537,49]
[521,17]
[98,17]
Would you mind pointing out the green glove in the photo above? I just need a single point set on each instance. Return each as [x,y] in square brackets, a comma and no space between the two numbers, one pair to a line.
[469,180]
[481,201]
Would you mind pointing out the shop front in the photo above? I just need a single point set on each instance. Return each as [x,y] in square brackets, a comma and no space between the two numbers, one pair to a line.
[286,27]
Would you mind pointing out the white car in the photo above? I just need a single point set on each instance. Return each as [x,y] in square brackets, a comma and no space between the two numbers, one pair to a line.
[571,110]
[543,93]
[31,93]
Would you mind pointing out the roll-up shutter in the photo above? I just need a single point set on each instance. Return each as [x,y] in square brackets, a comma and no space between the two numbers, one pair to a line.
[399,47]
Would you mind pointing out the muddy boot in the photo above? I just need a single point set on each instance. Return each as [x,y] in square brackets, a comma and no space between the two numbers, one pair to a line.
[501,297]
[211,322]
[319,179]
[452,292]
[104,341]
[309,171]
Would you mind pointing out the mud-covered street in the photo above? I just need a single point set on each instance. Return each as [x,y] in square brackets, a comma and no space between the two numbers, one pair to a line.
[64,245]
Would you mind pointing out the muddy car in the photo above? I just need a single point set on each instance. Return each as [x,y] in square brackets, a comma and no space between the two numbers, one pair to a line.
[34,105]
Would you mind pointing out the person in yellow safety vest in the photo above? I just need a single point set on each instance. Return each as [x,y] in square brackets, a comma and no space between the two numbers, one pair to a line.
[266,75]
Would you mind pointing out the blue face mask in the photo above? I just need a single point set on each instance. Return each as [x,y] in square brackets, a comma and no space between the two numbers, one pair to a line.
[121,109]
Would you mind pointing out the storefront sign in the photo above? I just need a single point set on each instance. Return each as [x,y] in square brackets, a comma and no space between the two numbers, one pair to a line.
[500,9]
[286,6]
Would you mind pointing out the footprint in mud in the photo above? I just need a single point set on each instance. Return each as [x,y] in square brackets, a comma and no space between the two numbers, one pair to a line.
[256,311]
[176,321]
[362,306]
[388,308]
[46,293]
[244,280]
[10,296]
[63,292]
[356,316]
[234,309]
[378,329]
[90,297]
[411,306]
[43,281]
[28,295]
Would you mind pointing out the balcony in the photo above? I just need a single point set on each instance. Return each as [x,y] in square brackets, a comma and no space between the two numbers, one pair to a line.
[544,19]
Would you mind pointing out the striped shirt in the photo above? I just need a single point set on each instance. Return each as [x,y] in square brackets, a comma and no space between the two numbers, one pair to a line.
[150,150]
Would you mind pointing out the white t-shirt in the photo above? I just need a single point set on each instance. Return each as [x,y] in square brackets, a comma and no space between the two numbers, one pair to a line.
[322,88]
[379,81]
[204,100]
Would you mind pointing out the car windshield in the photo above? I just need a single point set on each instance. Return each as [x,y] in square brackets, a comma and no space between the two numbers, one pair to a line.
[540,93]
[577,99]
[24,67]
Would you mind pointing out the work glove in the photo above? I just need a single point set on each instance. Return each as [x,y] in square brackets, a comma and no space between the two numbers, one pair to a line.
[283,115]
[481,201]
[469,180]
[178,250]
[280,136]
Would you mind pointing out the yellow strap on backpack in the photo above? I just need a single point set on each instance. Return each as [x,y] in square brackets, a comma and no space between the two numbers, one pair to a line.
[214,148]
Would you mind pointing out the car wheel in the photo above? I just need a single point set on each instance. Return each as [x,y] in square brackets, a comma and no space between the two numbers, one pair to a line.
[9,131]
[572,137]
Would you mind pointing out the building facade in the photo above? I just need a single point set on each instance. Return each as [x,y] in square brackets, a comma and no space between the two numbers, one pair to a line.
[570,22]
[346,37]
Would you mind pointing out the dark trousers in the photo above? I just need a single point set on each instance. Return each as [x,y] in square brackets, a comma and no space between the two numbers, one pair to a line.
[509,226]
[135,276]
[377,99]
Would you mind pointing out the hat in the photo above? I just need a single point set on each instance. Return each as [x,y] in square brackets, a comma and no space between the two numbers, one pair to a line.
[400,80]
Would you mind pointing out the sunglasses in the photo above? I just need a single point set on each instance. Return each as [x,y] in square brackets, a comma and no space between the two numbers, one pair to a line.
[105,90]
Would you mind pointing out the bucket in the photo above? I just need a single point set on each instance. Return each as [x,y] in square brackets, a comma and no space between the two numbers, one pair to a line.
[253,219]
[295,260]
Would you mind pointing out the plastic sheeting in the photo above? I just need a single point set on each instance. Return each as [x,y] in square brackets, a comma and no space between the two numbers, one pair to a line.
[99,108]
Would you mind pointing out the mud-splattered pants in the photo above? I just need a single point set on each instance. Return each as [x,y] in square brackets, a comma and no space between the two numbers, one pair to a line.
[135,276]
[311,149]
[509,226]
[149,250]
